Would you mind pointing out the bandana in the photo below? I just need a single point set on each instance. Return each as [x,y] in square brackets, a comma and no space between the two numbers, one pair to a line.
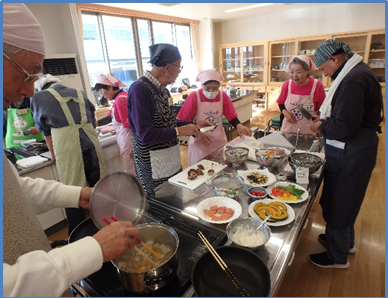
[163,54]
[305,59]
[110,81]
[328,48]
[48,78]
[209,75]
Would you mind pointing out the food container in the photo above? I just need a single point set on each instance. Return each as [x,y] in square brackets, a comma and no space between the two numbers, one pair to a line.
[257,188]
[242,232]
[270,158]
[236,155]
[306,160]
[228,185]
[155,278]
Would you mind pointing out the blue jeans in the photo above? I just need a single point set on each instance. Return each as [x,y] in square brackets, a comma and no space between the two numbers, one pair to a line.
[339,241]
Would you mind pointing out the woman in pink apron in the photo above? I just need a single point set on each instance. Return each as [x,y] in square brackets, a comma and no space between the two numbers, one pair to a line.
[302,90]
[109,87]
[209,104]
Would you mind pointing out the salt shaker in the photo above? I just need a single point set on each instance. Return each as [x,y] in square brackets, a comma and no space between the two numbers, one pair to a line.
[315,146]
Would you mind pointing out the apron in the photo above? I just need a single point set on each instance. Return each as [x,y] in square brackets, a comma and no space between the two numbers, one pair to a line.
[306,101]
[156,163]
[207,111]
[18,120]
[70,164]
[124,141]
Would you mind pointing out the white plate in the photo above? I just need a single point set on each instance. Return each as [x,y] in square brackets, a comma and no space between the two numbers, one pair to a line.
[289,219]
[271,177]
[305,195]
[221,202]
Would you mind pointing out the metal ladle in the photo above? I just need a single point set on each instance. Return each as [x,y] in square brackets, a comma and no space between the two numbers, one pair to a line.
[264,221]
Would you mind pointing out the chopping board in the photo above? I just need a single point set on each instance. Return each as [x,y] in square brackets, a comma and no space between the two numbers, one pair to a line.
[182,180]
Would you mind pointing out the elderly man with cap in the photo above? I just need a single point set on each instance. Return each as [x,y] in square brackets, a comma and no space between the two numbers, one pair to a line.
[67,118]
[350,116]
[30,267]
[210,104]
[155,129]
[109,87]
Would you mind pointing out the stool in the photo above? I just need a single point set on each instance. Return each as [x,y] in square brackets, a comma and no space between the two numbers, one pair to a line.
[228,129]
[275,123]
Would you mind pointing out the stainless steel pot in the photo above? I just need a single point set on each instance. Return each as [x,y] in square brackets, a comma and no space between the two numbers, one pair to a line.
[156,278]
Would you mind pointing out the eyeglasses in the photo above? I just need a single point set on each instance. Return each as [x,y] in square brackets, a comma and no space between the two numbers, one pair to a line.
[180,67]
[29,77]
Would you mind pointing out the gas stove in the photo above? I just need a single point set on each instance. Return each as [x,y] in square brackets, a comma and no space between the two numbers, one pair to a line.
[106,282]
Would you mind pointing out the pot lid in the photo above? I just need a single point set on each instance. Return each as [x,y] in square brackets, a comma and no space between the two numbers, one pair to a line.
[119,194]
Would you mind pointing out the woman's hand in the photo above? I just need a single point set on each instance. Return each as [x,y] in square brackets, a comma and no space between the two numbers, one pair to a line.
[243,130]
[314,124]
[203,138]
[188,130]
[288,116]
[33,130]
[203,123]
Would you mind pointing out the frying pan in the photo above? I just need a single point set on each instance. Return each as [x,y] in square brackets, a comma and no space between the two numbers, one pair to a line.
[85,228]
[210,281]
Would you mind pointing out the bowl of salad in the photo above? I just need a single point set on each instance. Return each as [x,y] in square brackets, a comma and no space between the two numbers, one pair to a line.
[228,185]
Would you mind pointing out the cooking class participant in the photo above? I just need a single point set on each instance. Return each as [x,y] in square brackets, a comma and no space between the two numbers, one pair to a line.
[209,104]
[302,90]
[67,118]
[350,117]
[19,125]
[30,267]
[109,87]
[155,129]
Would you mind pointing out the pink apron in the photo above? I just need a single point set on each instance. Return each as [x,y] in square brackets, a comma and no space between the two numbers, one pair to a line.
[124,141]
[306,101]
[207,111]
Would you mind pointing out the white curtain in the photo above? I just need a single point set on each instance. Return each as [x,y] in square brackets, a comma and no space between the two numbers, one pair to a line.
[194,37]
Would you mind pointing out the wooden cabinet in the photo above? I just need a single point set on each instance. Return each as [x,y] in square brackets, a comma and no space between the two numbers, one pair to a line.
[376,55]
[230,64]
[280,54]
[254,63]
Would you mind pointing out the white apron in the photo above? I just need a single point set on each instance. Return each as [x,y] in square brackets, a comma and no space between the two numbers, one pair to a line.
[291,103]
[207,111]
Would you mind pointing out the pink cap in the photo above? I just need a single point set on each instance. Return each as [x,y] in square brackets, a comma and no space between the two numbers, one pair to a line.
[306,59]
[21,29]
[110,81]
[209,75]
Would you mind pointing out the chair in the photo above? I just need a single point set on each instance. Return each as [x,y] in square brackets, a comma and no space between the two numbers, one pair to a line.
[228,128]
[275,123]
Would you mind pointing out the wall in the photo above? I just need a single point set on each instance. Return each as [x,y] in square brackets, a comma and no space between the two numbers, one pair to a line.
[206,46]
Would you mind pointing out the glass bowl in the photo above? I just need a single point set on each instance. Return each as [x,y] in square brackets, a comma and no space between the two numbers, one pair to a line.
[227,185]
[236,155]
[270,158]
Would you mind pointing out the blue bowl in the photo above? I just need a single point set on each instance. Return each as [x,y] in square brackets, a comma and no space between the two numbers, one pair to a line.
[253,197]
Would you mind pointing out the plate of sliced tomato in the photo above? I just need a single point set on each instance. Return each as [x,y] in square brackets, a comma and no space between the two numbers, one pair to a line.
[288,192]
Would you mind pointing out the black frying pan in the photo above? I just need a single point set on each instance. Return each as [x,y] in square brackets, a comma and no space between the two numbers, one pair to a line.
[210,281]
[85,228]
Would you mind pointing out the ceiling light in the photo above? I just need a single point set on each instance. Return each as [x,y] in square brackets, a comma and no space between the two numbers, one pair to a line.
[248,7]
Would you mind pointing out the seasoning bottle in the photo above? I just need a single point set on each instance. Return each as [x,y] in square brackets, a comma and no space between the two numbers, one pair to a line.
[315,146]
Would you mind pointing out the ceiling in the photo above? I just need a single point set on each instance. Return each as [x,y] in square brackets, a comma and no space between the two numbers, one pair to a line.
[203,11]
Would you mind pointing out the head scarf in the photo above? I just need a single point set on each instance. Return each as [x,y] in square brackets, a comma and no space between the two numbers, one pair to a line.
[110,81]
[328,48]
[306,59]
[48,78]
[209,75]
[163,54]
[21,29]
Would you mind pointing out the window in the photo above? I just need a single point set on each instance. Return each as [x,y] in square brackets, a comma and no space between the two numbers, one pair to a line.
[119,45]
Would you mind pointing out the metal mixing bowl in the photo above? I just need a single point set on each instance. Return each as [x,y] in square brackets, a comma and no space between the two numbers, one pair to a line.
[228,185]
[236,155]
[247,226]
[270,158]
[306,160]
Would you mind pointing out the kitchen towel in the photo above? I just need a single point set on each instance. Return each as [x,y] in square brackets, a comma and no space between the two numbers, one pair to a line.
[31,161]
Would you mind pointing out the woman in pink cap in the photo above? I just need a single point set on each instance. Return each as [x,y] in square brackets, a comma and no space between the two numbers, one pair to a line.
[109,87]
[302,90]
[209,104]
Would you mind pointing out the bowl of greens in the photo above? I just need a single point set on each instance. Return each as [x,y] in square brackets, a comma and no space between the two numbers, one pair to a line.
[228,185]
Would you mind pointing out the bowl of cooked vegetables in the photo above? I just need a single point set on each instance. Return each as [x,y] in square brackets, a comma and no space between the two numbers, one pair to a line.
[305,160]
[228,185]
[270,158]
[257,193]
[236,155]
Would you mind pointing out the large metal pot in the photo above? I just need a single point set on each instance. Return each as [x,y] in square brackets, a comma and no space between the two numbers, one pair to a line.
[154,279]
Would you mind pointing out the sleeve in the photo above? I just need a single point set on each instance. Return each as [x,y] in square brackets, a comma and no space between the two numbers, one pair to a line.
[141,108]
[121,110]
[37,112]
[52,272]
[229,110]
[189,108]
[319,96]
[283,93]
[50,193]
[106,120]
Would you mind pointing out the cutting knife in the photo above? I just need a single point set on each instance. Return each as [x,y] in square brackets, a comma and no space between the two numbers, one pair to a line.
[305,113]
[207,128]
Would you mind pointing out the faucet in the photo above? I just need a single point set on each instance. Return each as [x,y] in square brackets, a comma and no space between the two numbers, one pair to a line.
[297,137]
[266,130]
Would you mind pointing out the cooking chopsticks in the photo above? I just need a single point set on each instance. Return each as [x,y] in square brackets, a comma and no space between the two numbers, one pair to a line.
[223,266]
[145,245]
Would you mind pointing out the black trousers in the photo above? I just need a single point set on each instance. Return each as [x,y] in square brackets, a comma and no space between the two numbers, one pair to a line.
[92,173]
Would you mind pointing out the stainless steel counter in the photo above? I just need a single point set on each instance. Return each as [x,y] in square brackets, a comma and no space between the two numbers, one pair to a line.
[278,253]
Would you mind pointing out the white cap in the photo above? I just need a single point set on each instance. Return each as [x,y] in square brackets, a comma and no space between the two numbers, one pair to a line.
[21,29]
[48,78]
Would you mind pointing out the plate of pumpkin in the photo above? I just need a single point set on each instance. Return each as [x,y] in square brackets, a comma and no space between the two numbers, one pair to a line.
[282,213]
